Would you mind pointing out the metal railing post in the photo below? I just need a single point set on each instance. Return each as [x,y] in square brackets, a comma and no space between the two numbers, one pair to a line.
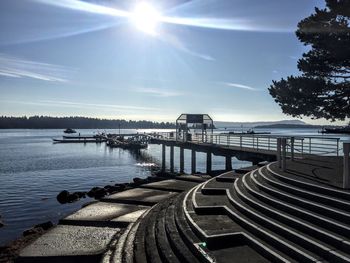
[346,166]
[309,145]
[278,150]
[240,141]
[292,148]
[284,153]
[302,146]
[338,146]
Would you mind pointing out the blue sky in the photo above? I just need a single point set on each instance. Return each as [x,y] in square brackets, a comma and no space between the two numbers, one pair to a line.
[68,57]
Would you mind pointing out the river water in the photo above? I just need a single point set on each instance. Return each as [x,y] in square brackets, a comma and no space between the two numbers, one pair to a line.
[33,171]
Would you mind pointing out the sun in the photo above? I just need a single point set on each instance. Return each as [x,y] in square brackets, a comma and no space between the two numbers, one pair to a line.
[146,18]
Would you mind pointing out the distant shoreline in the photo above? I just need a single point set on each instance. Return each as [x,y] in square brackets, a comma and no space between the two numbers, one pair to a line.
[46,122]
[293,126]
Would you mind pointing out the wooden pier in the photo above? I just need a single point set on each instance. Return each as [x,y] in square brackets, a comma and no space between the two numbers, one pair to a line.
[252,148]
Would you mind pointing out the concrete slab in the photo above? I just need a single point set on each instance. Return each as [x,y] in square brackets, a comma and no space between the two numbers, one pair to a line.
[140,196]
[130,217]
[199,178]
[171,185]
[69,244]
[103,214]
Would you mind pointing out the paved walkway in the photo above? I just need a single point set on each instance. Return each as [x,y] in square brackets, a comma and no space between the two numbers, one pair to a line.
[326,170]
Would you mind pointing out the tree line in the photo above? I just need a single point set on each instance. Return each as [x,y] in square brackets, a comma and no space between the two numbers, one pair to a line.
[46,122]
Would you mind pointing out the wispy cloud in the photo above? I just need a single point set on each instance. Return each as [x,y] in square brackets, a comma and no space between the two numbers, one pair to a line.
[239,86]
[14,67]
[178,44]
[159,92]
[79,105]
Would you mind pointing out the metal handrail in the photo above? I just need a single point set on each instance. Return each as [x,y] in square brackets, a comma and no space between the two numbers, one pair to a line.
[302,144]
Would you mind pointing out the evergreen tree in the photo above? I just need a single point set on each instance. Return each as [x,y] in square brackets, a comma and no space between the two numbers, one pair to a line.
[323,88]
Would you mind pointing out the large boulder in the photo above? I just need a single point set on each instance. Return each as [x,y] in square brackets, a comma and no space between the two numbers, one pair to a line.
[62,197]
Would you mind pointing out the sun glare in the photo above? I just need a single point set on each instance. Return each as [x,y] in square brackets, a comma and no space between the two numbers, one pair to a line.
[146,18]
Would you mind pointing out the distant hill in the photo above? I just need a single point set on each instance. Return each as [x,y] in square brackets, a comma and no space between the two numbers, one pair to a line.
[46,122]
[220,124]
[290,126]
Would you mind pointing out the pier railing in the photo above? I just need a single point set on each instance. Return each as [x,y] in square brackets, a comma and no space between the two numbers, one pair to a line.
[317,145]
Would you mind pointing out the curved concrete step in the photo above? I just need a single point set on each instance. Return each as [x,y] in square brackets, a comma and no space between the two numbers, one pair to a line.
[338,228]
[139,251]
[307,185]
[176,242]
[165,250]
[321,209]
[273,245]
[312,237]
[186,232]
[307,194]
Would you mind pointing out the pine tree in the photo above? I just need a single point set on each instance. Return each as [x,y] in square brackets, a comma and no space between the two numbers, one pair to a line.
[323,88]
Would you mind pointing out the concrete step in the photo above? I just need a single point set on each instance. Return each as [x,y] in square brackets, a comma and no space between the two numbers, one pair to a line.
[263,242]
[230,176]
[176,242]
[139,196]
[152,251]
[338,228]
[304,193]
[139,247]
[164,248]
[285,236]
[306,183]
[326,211]
[198,178]
[215,184]
[171,185]
[317,240]
[193,242]
[105,214]
[65,243]
[127,253]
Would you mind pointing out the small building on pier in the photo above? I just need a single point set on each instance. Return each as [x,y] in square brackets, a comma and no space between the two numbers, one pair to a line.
[187,125]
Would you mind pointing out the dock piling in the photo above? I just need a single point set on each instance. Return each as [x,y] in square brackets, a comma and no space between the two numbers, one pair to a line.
[171,159]
[193,163]
[228,163]
[208,162]
[182,160]
[163,158]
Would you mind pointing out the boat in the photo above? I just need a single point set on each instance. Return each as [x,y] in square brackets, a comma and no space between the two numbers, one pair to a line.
[250,131]
[342,130]
[69,130]
[78,140]
[134,143]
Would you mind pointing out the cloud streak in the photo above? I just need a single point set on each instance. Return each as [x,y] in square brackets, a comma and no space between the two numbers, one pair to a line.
[178,44]
[79,105]
[13,67]
[158,92]
[240,86]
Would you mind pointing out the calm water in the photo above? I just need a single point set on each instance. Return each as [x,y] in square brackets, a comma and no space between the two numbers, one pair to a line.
[33,171]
